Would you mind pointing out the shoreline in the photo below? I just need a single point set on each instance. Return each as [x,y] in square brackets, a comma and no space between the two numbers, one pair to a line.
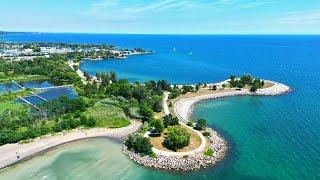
[9,152]
[183,107]
[125,56]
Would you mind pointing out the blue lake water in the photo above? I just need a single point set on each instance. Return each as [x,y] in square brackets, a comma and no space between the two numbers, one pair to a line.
[270,137]
[51,94]
[48,94]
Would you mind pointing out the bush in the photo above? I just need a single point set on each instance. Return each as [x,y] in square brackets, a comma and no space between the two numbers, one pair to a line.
[144,128]
[170,120]
[83,119]
[209,152]
[146,112]
[177,138]
[153,155]
[206,133]
[139,144]
[214,87]
[190,123]
[91,122]
[158,125]
[201,124]
[254,88]
[134,112]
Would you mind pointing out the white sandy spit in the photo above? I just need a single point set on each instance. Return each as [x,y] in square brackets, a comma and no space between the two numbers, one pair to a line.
[183,107]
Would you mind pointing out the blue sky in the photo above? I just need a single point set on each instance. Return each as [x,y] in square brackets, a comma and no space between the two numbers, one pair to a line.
[162,16]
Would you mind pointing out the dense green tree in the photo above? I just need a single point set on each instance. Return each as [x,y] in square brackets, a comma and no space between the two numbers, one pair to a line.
[177,138]
[91,122]
[197,87]
[201,124]
[158,125]
[170,120]
[139,144]
[214,87]
[146,112]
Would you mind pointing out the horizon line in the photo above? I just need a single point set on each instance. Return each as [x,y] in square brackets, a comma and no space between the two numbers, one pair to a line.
[194,34]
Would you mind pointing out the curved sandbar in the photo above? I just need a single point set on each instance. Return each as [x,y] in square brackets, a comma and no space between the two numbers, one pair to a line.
[9,152]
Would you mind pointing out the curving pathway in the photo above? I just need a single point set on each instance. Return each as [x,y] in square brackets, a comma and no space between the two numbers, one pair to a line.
[200,149]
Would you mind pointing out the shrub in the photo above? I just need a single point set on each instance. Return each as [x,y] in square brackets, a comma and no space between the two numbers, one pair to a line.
[91,122]
[206,133]
[144,128]
[214,87]
[254,88]
[190,123]
[209,152]
[158,125]
[153,155]
[170,120]
[201,124]
[134,112]
[146,112]
[177,138]
[139,144]
[83,119]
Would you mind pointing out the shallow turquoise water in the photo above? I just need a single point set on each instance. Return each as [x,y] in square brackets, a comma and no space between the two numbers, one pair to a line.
[267,141]
[87,159]
[270,137]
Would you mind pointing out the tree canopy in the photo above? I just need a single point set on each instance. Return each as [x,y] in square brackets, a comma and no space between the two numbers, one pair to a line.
[177,138]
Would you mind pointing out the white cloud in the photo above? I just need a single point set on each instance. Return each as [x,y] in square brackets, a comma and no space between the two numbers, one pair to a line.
[137,11]
[241,3]
[301,17]
[161,5]
[97,6]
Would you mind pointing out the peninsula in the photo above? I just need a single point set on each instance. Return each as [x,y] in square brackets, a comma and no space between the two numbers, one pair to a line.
[152,117]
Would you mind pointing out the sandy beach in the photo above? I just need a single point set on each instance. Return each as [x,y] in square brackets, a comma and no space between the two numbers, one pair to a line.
[13,153]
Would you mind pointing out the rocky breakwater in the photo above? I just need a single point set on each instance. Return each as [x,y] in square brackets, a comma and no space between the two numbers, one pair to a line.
[184,163]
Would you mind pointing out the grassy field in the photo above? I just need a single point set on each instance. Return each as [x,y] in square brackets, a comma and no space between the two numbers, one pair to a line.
[4,97]
[24,78]
[108,115]
[9,105]
[195,141]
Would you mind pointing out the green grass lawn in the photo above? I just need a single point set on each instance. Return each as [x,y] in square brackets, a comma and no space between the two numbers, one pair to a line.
[9,105]
[9,96]
[108,115]
[24,78]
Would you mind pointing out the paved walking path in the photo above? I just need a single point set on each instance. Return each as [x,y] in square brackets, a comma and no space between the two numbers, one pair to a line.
[200,149]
